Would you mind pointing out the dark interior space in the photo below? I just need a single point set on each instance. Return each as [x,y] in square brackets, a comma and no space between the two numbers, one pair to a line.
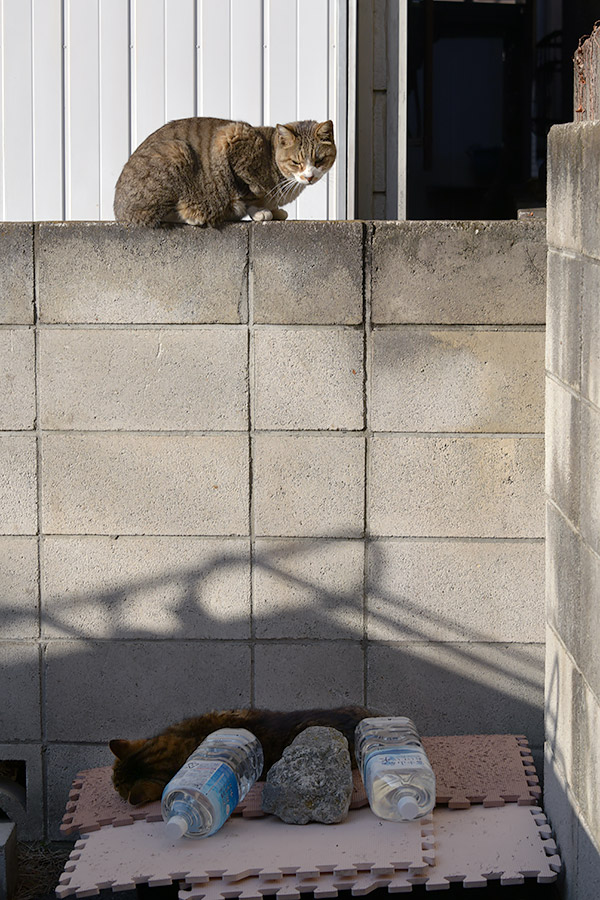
[486,81]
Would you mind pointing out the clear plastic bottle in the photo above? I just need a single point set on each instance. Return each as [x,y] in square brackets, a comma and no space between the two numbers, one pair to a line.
[214,779]
[398,778]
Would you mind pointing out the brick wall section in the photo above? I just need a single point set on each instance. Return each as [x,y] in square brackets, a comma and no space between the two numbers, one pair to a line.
[285,465]
[572,792]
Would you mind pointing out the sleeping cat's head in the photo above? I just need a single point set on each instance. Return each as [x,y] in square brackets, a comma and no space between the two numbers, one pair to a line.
[304,151]
[142,768]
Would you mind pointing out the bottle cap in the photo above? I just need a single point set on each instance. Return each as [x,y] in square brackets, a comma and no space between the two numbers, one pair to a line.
[176,827]
[408,807]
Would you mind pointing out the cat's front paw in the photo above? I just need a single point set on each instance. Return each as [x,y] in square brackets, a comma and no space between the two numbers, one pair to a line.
[262,215]
[280,214]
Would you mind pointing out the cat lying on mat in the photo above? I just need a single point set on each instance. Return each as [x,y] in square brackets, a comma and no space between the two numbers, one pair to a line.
[143,767]
[205,171]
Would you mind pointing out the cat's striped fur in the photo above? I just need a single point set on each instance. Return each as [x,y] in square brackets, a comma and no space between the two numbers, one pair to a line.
[204,171]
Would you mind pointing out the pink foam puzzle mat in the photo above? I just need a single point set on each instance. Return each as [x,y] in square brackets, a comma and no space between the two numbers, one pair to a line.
[487,769]
[249,859]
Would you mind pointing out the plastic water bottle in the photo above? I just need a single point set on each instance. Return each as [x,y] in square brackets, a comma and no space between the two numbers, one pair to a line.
[214,779]
[398,778]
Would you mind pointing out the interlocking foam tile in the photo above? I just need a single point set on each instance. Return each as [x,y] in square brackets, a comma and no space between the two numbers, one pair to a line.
[475,846]
[93,802]
[488,769]
[244,849]
[492,769]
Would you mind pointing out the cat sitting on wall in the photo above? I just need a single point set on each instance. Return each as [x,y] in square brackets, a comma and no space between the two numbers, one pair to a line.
[205,171]
[142,768]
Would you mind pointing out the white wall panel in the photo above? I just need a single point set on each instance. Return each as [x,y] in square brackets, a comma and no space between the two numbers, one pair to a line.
[82,109]
[83,82]
[17,101]
[48,151]
[114,98]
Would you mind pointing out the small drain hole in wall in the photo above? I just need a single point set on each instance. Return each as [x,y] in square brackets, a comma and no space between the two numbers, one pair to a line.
[13,784]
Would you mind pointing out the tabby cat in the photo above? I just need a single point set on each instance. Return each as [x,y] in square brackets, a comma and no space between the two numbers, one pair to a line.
[143,767]
[205,171]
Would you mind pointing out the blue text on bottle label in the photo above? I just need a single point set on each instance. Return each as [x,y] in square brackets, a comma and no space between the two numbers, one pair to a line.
[214,779]
[402,758]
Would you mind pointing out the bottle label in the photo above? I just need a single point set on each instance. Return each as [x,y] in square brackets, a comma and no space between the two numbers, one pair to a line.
[213,779]
[400,758]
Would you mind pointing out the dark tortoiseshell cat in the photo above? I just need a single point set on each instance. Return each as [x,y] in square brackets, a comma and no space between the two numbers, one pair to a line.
[143,767]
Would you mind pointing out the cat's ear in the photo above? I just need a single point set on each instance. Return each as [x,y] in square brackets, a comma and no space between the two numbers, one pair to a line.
[144,792]
[123,749]
[324,132]
[286,135]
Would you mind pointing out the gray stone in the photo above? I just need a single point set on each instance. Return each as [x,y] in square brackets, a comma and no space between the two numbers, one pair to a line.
[16,273]
[459,272]
[312,782]
[104,272]
[307,272]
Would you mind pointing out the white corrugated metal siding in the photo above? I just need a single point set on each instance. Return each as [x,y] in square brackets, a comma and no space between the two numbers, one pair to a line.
[83,82]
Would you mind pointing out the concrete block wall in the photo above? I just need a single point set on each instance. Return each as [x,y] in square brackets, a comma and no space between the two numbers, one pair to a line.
[572,791]
[286,465]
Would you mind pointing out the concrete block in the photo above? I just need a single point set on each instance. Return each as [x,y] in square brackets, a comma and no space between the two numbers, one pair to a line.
[17,379]
[163,681]
[145,587]
[586,780]
[308,485]
[436,486]
[588,864]
[457,380]
[304,675]
[145,484]
[564,327]
[563,449]
[590,484]
[19,587]
[459,272]
[563,580]
[563,687]
[104,272]
[589,176]
[8,860]
[458,688]
[307,378]
[18,491]
[471,591]
[564,191]
[307,272]
[25,808]
[586,620]
[308,589]
[590,332]
[148,379]
[16,273]
[63,762]
[20,691]
[561,815]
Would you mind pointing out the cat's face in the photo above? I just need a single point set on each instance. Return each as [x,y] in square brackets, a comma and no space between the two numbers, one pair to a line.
[305,151]
[134,776]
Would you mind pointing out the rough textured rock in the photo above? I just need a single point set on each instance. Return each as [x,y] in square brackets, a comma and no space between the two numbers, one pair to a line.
[312,782]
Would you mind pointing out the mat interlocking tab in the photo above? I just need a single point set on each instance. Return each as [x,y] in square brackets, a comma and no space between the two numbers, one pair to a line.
[475,847]
[265,848]
[492,769]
